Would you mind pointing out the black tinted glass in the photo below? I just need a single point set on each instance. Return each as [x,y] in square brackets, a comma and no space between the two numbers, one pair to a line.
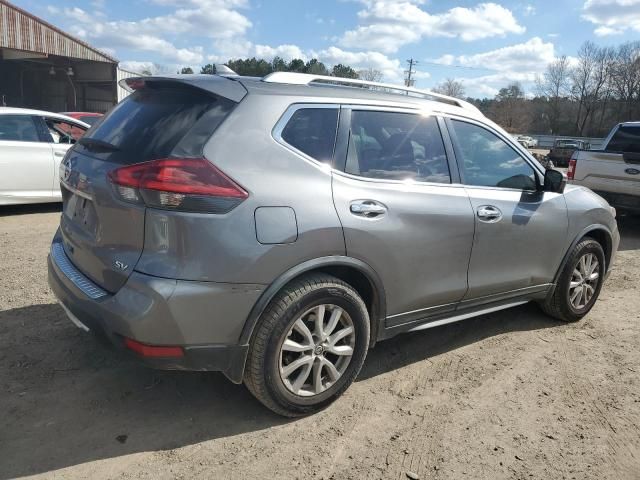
[313,131]
[487,160]
[18,128]
[626,139]
[151,122]
[396,146]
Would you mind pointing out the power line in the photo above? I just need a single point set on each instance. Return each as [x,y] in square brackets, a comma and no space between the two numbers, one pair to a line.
[408,81]
[466,67]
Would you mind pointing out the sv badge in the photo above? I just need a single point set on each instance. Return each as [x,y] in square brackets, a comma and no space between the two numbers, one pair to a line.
[120,265]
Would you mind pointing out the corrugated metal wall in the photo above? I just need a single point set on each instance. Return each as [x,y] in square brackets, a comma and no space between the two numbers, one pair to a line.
[20,30]
[122,93]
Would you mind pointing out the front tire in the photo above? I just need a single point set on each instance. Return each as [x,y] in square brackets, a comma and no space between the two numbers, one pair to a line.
[308,347]
[579,283]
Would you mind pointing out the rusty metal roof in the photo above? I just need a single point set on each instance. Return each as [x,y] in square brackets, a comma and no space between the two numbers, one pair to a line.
[20,30]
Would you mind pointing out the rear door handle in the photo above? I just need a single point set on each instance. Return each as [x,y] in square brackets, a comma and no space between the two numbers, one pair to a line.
[59,154]
[489,214]
[367,208]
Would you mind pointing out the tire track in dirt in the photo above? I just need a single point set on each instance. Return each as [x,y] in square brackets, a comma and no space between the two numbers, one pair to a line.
[578,389]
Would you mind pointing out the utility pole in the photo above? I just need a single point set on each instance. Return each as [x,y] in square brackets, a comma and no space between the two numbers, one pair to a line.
[408,81]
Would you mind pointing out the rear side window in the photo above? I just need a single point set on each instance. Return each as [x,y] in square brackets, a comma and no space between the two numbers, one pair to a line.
[396,146]
[626,139]
[19,128]
[313,131]
[155,122]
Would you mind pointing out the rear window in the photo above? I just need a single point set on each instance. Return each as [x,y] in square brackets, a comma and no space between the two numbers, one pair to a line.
[626,139]
[313,131]
[155,122]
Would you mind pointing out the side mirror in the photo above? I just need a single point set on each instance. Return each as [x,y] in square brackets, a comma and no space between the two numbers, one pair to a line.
[554,181]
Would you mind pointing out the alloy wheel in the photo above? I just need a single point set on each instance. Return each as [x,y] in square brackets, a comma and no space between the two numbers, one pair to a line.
[317,350]
[584,281]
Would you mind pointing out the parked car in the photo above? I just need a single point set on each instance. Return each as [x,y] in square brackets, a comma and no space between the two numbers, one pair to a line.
[526,141]
[614,171]
[86,117]
[32,144]
[275,229]
[563,149]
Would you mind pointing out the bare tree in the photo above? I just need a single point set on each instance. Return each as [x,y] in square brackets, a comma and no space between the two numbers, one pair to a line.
[625,79]
[555,86]
[450,87]
[370,75]
[590,81]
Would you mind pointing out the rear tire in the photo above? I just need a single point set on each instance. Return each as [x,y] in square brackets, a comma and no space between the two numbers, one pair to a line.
[298,364]
[579,283]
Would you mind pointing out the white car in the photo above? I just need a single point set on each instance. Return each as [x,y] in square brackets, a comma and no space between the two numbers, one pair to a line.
[32,143]
[526,141]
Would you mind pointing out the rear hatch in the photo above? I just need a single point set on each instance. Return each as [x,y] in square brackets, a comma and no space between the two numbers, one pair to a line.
[163,118]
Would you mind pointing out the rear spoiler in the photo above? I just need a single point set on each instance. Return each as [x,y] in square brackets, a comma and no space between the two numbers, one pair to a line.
[222,85]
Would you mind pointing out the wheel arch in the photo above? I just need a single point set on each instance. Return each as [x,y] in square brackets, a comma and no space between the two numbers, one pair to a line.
[600,234]
[355,272]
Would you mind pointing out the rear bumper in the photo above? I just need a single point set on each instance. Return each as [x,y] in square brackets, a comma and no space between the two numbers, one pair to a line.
[205,318]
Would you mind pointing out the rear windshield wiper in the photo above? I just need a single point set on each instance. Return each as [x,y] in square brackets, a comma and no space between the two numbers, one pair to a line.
[96,145]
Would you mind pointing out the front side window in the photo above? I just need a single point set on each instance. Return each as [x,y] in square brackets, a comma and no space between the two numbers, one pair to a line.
[487,160]
[626,139]
[63,132]
[313,131]
[19,128]
[396,146]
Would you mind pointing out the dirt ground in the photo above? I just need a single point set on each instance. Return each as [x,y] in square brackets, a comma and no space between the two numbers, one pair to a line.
[508,395]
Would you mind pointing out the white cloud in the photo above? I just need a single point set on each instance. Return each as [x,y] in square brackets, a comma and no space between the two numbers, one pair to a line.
[217,19]
[387,25]
[530,56]
[391,68]
[515,63]
[287,52]
[612,17]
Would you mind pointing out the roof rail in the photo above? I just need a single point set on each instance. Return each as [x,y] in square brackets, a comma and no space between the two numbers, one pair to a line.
[294,78]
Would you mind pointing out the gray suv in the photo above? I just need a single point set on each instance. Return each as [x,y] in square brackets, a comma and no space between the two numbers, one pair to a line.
[276,228]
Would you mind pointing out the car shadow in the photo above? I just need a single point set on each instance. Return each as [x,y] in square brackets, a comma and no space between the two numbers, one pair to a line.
[629,227]
[29,209]
[69,400]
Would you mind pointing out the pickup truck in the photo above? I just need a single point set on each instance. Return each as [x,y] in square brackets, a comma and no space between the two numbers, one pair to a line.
[613,172]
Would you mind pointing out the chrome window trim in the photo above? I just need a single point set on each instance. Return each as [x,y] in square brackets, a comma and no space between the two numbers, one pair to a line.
[410,111]
[85,285]
[276,132]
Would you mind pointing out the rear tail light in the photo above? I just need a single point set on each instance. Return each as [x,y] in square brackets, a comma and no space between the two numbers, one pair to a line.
[186,184]
[572,169]
[153,350]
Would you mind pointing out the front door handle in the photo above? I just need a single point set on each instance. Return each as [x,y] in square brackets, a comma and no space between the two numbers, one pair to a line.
[367,208]
[489,214]
[59,154]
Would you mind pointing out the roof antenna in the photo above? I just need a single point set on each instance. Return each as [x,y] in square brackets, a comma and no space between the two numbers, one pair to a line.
[225,71]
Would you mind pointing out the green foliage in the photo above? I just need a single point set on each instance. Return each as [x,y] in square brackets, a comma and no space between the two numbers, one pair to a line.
[186,70]
[316,67]
[251,67]
[209,69]
[344,71]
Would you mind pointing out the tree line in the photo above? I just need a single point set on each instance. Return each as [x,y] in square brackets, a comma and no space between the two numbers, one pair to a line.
[583,97]
[255,67]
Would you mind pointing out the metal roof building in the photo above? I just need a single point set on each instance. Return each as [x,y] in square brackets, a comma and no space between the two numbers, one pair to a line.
[44,67]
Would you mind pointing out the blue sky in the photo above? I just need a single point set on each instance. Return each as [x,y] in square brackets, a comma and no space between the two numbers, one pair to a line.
[485,45]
